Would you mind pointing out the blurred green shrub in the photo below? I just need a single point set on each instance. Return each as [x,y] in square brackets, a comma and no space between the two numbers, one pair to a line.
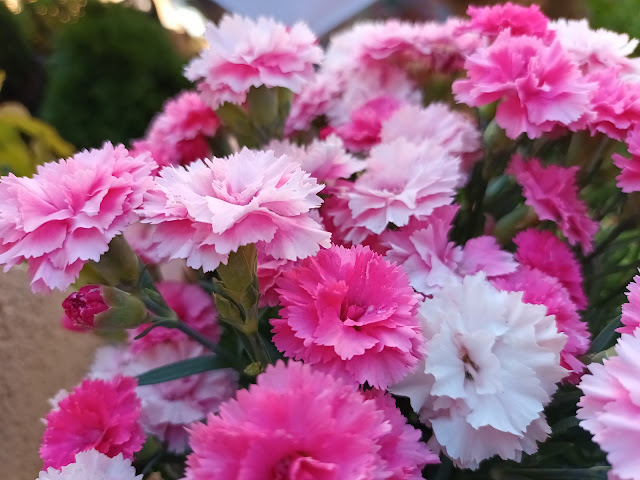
[109,74]
[620,15]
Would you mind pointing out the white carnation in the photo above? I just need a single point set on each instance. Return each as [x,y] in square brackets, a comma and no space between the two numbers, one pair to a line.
[93,465]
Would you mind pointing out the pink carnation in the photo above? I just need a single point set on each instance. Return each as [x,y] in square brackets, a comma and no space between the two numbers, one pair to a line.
[351,313]
[629,178]
[454,131]
[430,260]
[609,408]
[541,289]
[98,414]
[596,49]
[539,87]
[325,160]
[552,191]
[178,135]
[631,310]
[615,104]
[140,238]
[544,251]
[301,423]
[420,178]
[313,101]
[244,53]
[212,207]
[192,305]
[269,271]
[69,211]
[363,131]
[517,19]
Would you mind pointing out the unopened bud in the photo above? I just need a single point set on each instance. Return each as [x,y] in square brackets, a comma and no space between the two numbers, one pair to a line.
[82,306]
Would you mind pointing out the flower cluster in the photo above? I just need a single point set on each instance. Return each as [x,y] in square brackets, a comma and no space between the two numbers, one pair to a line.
[357,262]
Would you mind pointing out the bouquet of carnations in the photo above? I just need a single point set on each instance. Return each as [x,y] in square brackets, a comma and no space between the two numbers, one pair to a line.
[399,257]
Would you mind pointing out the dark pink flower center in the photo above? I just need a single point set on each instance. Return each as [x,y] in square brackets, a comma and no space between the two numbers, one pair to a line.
[301,466]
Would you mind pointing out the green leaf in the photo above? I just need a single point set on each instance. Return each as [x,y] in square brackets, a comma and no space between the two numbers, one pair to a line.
[594,473]
[181,369]
[606,336]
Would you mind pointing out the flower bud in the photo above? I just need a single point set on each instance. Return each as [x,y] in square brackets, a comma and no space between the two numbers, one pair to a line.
[103,307]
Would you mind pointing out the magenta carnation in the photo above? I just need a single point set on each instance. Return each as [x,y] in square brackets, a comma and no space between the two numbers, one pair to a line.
[209,209]
[81,307]
[69,211]
[609,408]
[552,191]
[352,313]
[541,289]
[631,310]
[544,251]
[192,305]
[300,423]
[454,131]
[403,180]
[629,178]
[537,85]
[519,20]
[244,53]
[98,414]
[178,135]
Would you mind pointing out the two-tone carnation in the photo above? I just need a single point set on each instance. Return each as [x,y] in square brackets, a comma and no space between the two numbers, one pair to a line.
[349,312]
[69,211]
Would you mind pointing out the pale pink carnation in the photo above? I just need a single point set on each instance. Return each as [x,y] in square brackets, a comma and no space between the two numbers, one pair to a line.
[609,408]
[596,49]
[209,209]
[244,53]
[192,305]
[403,180]
[544,251]
[537,85]
[140,238]
[541,289]
[430,259]
[519,20]
[69,211]
[478,390]
[351,313]
[454,131]
[615,105]
[178,134]
[631,310]
[363,130]
[98,414]
[314,100]
[629,178]
[269,271]
[93,465]
[552,191]
[325,160]
[300,423]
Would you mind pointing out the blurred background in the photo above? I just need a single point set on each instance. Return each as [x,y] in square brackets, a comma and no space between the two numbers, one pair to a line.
[75,73]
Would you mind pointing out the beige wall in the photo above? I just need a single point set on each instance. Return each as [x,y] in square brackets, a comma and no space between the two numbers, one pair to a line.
[37,358]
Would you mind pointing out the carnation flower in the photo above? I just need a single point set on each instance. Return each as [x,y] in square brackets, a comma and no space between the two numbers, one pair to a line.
[209,209]
[430,259]
[139,236]
[403,180]
[178,135]
[349,312]
[609,408]
[629,178]
[192,306]
[544,251]
[363,131]
[325,160]
[244,53]
[537,85]
[595,49]
[631,310]
[452,130]
[269,271]
[300,423]
[552,191]
[69,211]
[519,20]
[615,105]
[98,414]
[541,289]
[95,466]
[313,101]
[492,365]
